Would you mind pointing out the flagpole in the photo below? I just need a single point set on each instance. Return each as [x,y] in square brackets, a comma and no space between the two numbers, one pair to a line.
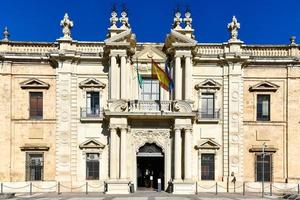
[138,82]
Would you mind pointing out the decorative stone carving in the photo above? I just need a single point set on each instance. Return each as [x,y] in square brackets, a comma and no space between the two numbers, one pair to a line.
[113,19]
[177,20]
[159,137]
[264,86]
[34,84]
[208,84]
[91,144]
[66,24]
[5,35]
[188,20]
[233,28]
[207,144]
[124,20]
[119,106]
[91,83]
[293,40]
[182,106]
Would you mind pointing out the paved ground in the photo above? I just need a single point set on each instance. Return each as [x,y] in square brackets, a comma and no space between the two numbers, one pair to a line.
[140,196]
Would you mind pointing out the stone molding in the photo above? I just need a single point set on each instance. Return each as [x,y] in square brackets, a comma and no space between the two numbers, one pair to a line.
[34,84]
[208,84]
[91,83]
[264,86]
[91,144]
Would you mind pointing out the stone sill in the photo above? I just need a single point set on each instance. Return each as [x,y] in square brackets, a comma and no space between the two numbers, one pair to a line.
[91,120]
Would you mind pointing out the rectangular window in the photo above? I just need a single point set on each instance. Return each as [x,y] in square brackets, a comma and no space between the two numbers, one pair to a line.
[150,90]
[92,166]
[34,166]
[263,164]
[263,107]
[92,103]
[207,166]
[36,105]
[208,105]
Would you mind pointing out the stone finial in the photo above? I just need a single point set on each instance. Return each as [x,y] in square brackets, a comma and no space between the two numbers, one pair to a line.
[66,24]
[293,40]
[188,20]
[233,28]
[177,20]
[5,34]
[124,20]
[113,19]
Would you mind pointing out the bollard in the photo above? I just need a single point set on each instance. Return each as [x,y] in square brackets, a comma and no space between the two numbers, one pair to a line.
[86,188]
[234,187]
[216,188]
[298,188]
[227,189]
[244,188]
[271,192]
[1,188]
[58,188]
[158,185]
[30,192]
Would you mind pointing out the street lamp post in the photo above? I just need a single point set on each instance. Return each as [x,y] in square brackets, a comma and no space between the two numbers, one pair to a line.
[263,169]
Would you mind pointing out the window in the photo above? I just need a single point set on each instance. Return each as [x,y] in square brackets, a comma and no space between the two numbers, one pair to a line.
[34,166]
[208,105]
[36,105]
[150,90]
[267,160]
[263,107]
[92,103]
[207,166]
[92,166]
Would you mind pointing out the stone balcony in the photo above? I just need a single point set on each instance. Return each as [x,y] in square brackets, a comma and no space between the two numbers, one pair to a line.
[148,109]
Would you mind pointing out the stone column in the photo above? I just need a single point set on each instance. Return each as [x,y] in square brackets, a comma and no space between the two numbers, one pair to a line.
[112,78]
[178,78]
[123,78]
[123,154]
[188,78]
[177,160]
[113,154]
[187,154]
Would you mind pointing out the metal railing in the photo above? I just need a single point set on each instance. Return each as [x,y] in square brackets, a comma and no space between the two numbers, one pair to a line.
[91,113]
[209,115]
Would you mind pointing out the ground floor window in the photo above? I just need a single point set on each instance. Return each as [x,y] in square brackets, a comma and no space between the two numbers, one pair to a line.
[34,166]
[92,166]
[207,166]
[263,167]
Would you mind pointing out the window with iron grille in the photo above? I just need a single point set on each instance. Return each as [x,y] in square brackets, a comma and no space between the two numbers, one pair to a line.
[36,105]
[34,166]
[150,90]
[92,103]
[207,166]
[267,167]
[263,107]
[208,105]
[92,166]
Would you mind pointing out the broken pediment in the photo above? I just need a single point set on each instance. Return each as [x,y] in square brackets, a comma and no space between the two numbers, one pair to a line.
[91,144]
[150,52]
[177,37]
[208,144]
[208,84]
[91,83]
[264,86]
[34,84]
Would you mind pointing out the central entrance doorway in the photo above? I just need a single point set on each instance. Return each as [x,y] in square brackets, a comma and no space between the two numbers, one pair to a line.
[150,167]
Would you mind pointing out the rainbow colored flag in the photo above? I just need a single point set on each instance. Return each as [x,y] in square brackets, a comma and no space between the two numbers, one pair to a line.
[164,79]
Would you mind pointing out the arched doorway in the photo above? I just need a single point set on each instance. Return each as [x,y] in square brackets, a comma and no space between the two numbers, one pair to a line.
[150,167]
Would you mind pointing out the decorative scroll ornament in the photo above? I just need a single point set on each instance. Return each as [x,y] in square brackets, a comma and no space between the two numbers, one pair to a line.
[233,28]
[124,20]
[5,35]
[177,20]
[66,24]
[113,20]
[188,20]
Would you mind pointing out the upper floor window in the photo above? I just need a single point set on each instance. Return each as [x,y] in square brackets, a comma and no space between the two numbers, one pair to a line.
[92,166]
[263,107]
[208,105]
[150,90]
[36,105]
[92,103]
[34,166]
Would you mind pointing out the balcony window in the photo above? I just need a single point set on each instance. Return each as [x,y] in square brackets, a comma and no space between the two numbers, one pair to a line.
[92,104]
[36,105]
[34,166]
[208,105]
[263,108]
[92,166]
[150,90]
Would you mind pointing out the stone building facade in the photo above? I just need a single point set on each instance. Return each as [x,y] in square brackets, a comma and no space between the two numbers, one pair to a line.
[73,111]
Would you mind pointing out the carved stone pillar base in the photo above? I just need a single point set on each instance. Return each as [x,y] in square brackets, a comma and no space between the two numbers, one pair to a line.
[117,187]
[184,187]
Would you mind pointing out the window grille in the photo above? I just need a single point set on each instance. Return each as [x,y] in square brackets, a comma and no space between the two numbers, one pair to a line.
[267,167]
[34,166]
[92,166]
[207,166]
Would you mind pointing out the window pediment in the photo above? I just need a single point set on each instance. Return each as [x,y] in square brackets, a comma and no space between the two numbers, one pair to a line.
[91,83]
[208,144]
[35,147]
[264,86]
[259,149]
[208,84]
[91,144]
[34,84]
[155,53]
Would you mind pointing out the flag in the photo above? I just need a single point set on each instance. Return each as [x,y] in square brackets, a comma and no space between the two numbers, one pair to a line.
[161,75]
[168,71]
[139,77]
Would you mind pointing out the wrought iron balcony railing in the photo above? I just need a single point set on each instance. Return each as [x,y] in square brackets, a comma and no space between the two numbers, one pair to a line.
[214,115]
[91,113]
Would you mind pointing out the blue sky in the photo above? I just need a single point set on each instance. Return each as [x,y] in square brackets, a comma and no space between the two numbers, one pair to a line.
[262,21]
